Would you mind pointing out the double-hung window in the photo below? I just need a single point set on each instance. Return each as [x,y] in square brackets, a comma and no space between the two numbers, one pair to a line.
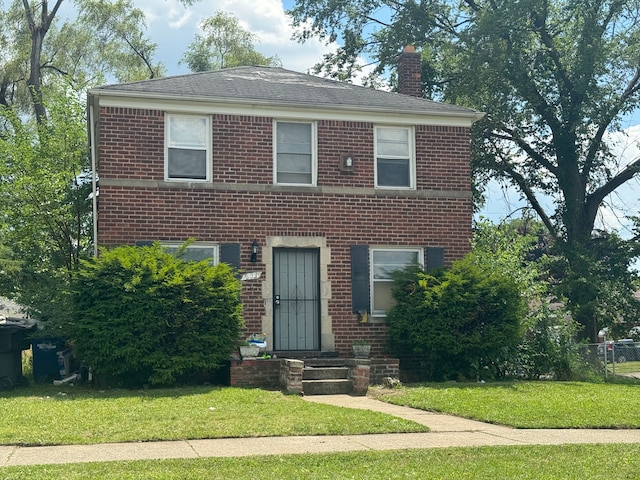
[294,153]
[194,252]
[384,261]
[395,157]
[188,147]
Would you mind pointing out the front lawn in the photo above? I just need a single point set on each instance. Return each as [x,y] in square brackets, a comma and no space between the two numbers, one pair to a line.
[527,404]
[47,415]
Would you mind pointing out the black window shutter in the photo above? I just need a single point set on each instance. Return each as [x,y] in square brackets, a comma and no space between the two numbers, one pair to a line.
[435,258]
[360,278]
[230,254]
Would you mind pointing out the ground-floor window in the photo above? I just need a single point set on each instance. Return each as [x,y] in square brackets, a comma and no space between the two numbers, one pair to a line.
[194,252]
[384,261]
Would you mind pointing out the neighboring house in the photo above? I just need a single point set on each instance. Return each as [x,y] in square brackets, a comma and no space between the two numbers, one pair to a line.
[314,189]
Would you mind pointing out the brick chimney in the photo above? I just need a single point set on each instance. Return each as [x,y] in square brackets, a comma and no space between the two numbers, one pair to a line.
[410,72]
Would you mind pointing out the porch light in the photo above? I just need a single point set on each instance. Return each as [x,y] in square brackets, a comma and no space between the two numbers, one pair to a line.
[254,251]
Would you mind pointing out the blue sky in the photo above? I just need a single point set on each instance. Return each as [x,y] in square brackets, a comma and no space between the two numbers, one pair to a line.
[173,27]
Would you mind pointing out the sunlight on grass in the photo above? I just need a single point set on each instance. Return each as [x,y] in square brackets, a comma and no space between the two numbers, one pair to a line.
[46,415]
[528,404]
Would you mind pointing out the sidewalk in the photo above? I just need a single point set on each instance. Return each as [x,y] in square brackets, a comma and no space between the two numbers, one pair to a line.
[446,431]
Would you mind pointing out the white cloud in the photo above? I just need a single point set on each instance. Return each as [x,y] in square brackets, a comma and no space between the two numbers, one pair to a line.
[172,27]
[624,201]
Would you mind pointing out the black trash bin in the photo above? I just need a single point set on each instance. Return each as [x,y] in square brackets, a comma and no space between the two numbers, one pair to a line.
[14,333]
[45,358]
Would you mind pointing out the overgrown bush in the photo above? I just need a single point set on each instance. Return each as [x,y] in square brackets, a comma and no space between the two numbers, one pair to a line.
[461,323]
[548,348]
[143,316]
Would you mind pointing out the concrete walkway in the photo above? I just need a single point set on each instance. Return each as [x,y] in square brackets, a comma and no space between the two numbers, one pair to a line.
[446,431]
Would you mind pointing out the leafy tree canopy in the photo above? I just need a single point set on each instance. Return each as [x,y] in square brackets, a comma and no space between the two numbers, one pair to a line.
[45,211]
[105,38]
[45,65]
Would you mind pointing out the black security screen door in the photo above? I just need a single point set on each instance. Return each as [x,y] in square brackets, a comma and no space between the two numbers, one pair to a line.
[296,301]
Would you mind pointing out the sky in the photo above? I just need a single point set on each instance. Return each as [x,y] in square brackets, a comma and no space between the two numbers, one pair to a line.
[172,27]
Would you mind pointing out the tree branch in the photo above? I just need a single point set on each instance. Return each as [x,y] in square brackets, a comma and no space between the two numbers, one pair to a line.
[533,200]
[594,200]
[528,149]
[547,41]
[632,88]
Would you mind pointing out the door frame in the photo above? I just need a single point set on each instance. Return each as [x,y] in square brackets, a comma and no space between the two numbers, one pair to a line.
[327,339]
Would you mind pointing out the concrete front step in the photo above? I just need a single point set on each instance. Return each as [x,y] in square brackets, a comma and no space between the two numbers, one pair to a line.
[327,387]
[325,373]
[329,379]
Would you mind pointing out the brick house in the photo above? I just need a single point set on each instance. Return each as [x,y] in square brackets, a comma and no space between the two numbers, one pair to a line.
[314,189]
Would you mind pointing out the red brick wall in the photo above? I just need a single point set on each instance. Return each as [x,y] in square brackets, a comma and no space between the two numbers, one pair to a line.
[132,148]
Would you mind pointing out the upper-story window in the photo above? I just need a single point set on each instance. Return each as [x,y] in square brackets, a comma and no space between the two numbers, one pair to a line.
[395,158]
[188,147]
[294,153]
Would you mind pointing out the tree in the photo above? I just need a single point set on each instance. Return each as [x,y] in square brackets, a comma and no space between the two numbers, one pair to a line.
[552,76]
[45,209]
[224,44]
[105,37]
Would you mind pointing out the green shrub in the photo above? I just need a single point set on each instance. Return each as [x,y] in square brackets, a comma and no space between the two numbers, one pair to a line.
[461,323]
[143,316]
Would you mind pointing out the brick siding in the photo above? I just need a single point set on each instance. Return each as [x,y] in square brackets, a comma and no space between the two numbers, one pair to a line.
[438,213]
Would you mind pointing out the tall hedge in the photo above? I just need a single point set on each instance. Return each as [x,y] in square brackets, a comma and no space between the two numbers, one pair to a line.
[460,323]
[143,316]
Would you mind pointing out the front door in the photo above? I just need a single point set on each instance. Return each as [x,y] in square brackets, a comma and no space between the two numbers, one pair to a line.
[296,301]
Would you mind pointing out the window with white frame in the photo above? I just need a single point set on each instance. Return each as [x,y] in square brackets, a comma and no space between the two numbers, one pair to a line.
[194,252]
[294,153]
[384,261]
[188,147]
[395,159]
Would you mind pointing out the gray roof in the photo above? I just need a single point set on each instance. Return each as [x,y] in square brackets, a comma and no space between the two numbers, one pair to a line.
[277,86]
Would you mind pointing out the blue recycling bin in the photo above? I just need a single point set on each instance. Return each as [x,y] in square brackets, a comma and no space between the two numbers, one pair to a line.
[46,366]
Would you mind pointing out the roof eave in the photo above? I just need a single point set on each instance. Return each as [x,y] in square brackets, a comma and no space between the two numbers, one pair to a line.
[470,115]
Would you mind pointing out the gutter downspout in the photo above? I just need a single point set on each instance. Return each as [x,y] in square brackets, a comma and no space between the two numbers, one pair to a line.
[94,174]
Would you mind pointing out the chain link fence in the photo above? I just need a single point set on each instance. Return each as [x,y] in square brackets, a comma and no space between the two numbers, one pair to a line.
[616,358]
[610,359]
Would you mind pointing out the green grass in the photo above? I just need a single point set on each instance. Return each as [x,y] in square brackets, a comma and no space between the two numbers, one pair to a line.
[627,367]
[47,415]
[50,415]
[532,462]
[528,404]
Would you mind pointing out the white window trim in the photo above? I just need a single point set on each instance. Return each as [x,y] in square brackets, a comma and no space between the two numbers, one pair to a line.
[314,152]
[412,157]
[418,250]
[208,147]
[214,247]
